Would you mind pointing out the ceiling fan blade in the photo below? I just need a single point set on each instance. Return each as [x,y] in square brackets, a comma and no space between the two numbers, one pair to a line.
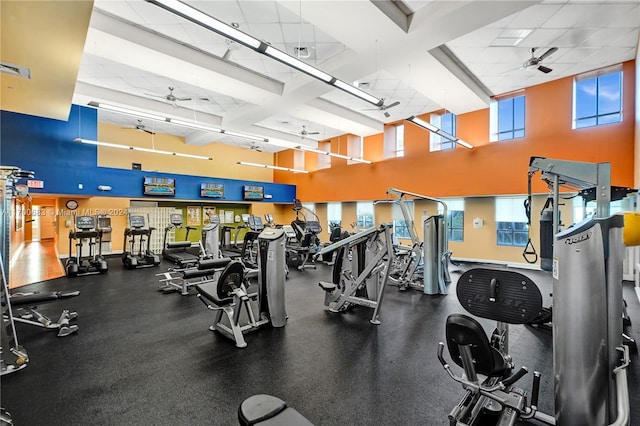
[313,133]
[148,131]
[386,114]
[183,99]
[549,52]
[396,103]
[544,69]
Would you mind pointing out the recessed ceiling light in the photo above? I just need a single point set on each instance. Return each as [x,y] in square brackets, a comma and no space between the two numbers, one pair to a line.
[511,37]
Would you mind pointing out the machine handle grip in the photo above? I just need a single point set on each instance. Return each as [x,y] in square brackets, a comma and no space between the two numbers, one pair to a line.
[515,377]
[440,357]
[536,389]
[493,290]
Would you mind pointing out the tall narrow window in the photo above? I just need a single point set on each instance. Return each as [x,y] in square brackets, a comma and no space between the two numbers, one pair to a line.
[446,122]
[597,100]
[511,221]
[511,118]
[400,140]
[324,161]
[400,226]
[334,215]
[355,148]
[364,213]
[455,219]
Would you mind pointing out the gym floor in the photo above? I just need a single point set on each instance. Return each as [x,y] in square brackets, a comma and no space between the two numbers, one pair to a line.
[146,358]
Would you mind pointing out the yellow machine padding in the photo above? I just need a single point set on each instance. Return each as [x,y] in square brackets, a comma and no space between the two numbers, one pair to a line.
[631,230]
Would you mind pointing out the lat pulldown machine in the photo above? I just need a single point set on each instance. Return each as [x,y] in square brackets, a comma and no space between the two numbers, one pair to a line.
[426,265]
[586,264]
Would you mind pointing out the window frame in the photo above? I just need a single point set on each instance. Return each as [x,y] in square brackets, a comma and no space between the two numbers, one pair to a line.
[496,135]
[582,79]
[437,142]
[514,215]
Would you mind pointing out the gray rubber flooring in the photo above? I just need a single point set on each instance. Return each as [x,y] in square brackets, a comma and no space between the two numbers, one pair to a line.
[145,358]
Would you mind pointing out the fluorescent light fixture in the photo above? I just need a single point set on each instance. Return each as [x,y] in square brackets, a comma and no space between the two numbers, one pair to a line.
[430,127]
[194,125]
[240,135]
[332,154]
[135,148]
[178,122]
[194,15]
[127,111]
[357,92]
[209,22]
[267,166]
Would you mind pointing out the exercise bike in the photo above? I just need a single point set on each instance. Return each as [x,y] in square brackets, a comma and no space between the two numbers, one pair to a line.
[144,257]
[94,263]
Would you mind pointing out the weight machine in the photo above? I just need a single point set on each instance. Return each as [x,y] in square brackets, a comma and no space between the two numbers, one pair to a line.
[424,266]
[361,270]
[586,264]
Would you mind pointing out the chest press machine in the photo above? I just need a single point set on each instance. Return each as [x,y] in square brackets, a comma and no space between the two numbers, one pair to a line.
[236,309]
[361,270]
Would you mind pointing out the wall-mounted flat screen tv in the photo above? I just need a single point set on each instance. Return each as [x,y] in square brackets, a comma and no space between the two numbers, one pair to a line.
[159,186]
[212,190]
[253,192]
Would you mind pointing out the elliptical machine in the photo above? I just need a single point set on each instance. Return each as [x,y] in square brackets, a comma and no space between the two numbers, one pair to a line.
[144,257]
[94,263]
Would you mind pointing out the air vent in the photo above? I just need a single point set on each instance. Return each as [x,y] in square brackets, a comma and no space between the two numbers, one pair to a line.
[301,52]
[15,70]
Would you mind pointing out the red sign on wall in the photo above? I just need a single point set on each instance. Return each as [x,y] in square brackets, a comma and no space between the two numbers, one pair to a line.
[35,183]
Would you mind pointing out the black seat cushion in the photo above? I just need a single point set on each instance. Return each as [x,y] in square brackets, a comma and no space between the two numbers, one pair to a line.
[462,330]
[221,292]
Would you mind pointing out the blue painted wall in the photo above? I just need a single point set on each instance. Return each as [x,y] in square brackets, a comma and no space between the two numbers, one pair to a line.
[46,146]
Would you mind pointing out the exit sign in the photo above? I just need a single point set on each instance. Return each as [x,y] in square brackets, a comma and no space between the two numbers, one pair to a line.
[35,183]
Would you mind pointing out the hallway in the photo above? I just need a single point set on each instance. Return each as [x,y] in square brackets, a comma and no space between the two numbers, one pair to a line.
[34,262]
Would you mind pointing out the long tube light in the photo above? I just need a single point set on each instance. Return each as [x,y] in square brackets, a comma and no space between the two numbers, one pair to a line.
[135,148]
[430,127]
[200,18]
[267,166]
[183,123]
[333,154]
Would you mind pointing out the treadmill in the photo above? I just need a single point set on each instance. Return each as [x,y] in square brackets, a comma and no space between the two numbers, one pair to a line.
[179,252]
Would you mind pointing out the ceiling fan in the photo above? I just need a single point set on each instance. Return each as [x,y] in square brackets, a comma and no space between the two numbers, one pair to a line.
[384,108]
[534,61]
[304,132]
[140,127]
[255,147]
[170,97]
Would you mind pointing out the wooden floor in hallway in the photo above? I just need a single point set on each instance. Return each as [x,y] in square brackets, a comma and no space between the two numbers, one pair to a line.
[36,261]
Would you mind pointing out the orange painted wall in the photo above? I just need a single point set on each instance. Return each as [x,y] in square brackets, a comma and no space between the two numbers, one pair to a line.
[497,168]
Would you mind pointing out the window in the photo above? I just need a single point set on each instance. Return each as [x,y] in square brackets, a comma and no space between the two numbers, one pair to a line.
[305,211]
[511,222]
[334,215]
[400,227]
[393,141]
[324,161]
[364,214]
[597,100]
[446,122]
[581,212]
[355,148]
[298,159]
[507,118]
[455,219]
[400,140]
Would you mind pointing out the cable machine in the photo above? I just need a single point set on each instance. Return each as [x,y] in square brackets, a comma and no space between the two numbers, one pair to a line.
[586,264]
[431,256]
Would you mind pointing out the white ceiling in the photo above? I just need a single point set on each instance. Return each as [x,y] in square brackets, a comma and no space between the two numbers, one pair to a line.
[450,57]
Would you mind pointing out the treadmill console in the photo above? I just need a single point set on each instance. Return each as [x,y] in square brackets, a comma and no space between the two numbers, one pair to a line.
[313,226]
[257,224]
[176,219]
[214,218]
[85,223]
[245,218]
[136,221]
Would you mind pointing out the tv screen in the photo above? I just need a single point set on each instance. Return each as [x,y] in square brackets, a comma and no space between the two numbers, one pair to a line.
[253,192]
[164,186]
[212,190]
